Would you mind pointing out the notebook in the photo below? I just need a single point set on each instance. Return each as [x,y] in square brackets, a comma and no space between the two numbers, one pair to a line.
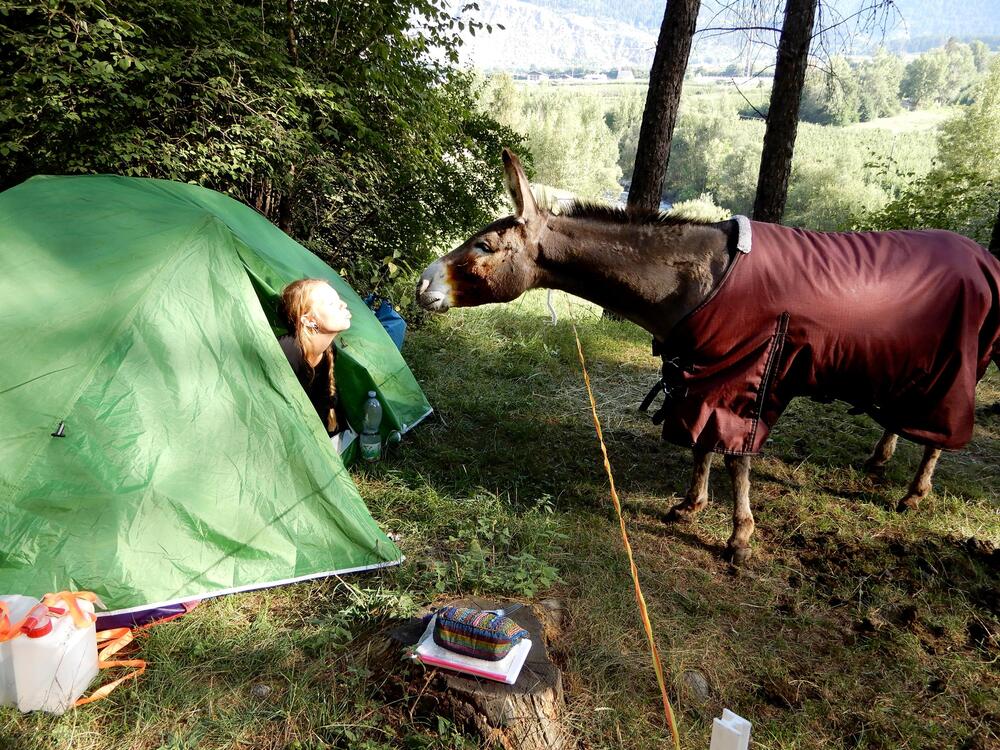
[506,670]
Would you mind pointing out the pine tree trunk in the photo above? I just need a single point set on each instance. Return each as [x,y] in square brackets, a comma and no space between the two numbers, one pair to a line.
[783,114]
[662,100]
[995,239]
[293,44]
[285,210]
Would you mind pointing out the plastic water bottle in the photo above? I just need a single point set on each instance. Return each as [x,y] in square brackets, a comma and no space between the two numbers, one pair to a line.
[371,440]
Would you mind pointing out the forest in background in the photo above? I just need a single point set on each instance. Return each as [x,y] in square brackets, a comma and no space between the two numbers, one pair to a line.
[353,127]
[882,144]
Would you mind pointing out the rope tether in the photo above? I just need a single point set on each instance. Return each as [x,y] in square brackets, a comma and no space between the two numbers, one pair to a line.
[643,612]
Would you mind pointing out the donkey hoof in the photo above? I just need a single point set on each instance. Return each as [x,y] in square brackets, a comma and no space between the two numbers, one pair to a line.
[684,511]
[737,555]
[874,470]
[908,503]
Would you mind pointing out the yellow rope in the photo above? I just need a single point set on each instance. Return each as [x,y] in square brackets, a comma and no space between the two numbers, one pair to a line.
[643,612]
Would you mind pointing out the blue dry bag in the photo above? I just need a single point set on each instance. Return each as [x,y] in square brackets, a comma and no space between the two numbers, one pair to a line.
[391,320]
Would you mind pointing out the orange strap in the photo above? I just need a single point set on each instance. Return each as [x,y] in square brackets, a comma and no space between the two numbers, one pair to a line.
[114,641]
[643,612]
[80,618]
[111,642]
[8,630]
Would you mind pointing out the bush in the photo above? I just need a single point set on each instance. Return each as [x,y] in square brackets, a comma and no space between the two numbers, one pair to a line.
[960,192]
[702,208]
[335,120]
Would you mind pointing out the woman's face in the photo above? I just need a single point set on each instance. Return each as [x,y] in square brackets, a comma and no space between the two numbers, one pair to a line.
[328,310]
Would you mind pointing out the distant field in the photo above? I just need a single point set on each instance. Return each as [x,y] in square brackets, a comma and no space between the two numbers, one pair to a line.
[700,93]
[908,122]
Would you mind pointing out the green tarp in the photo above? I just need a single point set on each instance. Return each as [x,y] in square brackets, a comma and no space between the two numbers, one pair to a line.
[141,314]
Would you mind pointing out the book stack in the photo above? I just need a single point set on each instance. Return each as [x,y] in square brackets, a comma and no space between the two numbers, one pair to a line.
[506,670]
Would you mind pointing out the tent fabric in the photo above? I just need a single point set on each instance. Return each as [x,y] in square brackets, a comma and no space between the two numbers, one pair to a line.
[141,314]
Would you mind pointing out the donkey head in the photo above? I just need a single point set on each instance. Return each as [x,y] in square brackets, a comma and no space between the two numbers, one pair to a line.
[498,263]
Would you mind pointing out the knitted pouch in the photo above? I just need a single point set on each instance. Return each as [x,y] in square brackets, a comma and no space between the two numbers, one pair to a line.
[476,633]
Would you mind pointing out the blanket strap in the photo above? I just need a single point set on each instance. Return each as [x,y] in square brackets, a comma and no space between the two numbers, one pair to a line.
[671,383]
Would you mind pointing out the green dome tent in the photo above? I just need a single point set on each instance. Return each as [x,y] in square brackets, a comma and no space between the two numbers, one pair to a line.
[141,314]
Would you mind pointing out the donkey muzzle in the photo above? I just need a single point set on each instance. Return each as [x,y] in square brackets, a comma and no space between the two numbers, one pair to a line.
[433,289]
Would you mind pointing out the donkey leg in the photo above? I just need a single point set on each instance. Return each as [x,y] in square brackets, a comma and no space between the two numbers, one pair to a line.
[921,485]
[738,546]
[884,450]
[697,494]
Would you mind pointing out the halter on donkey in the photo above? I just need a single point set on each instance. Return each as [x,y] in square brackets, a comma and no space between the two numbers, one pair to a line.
[747,316]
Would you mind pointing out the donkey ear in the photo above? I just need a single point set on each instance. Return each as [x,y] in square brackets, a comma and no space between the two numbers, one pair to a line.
[518,186]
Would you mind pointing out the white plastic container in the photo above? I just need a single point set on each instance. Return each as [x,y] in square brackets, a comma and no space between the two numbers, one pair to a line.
[49,672]
[18,607]
[731,732]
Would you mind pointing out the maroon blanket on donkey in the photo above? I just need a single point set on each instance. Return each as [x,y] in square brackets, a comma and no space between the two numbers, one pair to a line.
[899,324]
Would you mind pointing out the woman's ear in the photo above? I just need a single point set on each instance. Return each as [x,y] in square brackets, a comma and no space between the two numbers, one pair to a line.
[304,320]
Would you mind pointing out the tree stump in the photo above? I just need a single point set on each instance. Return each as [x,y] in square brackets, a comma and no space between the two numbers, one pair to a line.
[522,716]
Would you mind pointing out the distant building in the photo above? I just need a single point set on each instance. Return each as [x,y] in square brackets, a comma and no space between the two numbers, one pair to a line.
[537,77]
[625,74]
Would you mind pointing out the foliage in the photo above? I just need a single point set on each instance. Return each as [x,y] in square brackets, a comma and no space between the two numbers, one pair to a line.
[571,145]
[344,122]
[878,84]
[837,172]
[842,94]
[491,554]
[702,208]
[623,116]
[942,76]
[961,192]
[715,152]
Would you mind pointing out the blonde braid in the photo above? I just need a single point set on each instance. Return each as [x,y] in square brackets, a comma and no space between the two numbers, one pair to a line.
[331,418]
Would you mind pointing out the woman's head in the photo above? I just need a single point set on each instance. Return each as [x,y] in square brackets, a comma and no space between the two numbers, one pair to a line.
[313,307]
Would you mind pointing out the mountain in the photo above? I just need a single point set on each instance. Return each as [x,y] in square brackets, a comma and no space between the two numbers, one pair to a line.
[604,34]
[544,37]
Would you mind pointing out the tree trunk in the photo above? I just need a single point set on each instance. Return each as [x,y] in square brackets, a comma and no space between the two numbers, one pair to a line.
[783,115]
[285,210]
[528,715]
[662,99]
[995,239]
[293,45]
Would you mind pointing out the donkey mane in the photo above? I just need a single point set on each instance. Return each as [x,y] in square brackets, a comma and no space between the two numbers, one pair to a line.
[583,209]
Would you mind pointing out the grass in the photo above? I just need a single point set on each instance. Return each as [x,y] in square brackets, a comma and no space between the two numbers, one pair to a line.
[853,627]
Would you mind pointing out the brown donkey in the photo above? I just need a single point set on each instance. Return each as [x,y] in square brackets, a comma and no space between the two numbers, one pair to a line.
[748,315]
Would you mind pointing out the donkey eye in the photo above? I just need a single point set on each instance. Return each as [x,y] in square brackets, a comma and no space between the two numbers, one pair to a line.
[483,247]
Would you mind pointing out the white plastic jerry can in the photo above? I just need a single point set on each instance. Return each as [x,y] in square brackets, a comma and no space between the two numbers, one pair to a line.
[731,732]
[49,666]
[18,608]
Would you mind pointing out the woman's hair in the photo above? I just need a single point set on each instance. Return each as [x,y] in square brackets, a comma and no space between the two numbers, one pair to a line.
[296,301]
